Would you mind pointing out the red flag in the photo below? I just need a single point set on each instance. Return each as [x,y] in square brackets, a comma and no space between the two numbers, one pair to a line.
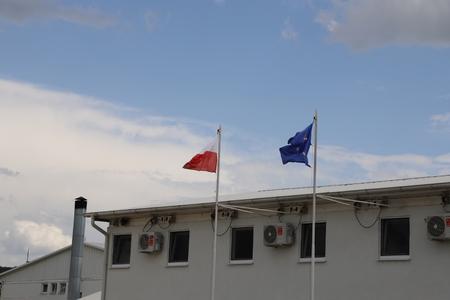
[204,161]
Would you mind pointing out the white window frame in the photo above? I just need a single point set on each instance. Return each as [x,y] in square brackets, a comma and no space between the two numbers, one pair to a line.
[42,288]
[241,261]
[65,288]
[55,291]
[119,266]
[180,263]
[308,259]
[380,233]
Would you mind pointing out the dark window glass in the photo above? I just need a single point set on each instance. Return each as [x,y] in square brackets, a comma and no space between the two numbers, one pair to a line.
[54,288]
[321,231]
[395,236]
[179,246]
[242,243]
[62,288]
[121,249]
[45,287]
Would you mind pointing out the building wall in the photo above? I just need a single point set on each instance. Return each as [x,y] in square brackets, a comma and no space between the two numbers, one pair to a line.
[352,269]
[26,283]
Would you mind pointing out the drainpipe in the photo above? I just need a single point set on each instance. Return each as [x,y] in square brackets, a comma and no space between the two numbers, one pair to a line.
[76,257]
[105,267]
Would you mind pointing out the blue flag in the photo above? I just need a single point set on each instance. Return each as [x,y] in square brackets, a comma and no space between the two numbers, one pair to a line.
[297,150]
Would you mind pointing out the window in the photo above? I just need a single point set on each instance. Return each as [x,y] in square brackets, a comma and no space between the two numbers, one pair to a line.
[394,237]
[179,246]
[62,288]
[121,249]
[242,243]
[54,288]
[321,230]
[44,288]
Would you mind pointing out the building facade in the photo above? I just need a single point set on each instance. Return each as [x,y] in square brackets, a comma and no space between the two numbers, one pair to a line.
[381,250]
[47,277]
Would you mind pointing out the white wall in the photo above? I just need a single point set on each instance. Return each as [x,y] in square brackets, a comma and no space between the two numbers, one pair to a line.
[352,269]
[26,283]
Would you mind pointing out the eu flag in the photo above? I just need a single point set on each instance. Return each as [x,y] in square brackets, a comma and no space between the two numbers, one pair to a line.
[297,150]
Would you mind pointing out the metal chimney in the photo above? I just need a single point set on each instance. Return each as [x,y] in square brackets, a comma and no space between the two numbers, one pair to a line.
[76,258]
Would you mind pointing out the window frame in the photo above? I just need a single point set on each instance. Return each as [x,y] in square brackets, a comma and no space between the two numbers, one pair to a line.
[400,257]
[242,261]
[120,266]
[53,288]
[178,263]
[42,288]
[319,259]
[61,284]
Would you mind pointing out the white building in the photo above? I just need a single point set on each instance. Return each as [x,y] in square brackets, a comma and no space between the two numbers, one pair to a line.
[47,277]
[364,251]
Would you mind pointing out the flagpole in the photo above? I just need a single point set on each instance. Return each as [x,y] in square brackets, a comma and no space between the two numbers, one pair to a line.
[313,239]
[216,213]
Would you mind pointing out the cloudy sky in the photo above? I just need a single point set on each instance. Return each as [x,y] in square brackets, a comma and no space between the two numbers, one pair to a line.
[107,100]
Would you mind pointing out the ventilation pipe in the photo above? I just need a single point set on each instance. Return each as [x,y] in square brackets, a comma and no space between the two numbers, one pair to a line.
[76,257]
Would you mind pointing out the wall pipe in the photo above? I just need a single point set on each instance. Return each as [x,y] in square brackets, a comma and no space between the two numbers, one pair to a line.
[105,267]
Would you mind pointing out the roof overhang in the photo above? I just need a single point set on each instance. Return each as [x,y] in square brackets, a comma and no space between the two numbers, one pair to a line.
[377,190]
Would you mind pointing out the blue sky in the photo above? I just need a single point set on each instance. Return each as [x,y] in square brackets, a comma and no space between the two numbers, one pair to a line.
[223,62]
[141,85]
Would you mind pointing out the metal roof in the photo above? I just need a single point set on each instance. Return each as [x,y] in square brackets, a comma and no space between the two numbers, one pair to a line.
[264,196]
[47,256]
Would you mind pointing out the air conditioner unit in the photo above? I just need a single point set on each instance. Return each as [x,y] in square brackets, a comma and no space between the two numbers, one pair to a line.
[438,227]
[151,242]
[279,235]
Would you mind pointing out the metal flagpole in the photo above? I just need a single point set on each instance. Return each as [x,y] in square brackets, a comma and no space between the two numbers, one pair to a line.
[216,213]
[313,239]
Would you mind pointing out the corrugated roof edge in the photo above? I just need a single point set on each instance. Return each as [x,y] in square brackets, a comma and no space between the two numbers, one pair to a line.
[47,256]
[286,193]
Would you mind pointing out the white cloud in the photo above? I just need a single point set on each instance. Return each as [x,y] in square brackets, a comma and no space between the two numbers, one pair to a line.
[8,172]
[378,167]
[441,121]
[445,96]
[61,145]
[40,237]
[151,20]
[22,11]
[375,23]
[327,19]
[288,32]
[441,117]
[66,145]
[445,159]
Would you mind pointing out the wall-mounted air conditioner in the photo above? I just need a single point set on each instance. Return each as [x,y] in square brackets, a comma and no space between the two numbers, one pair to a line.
[279,235]
[151,242]
[438,227]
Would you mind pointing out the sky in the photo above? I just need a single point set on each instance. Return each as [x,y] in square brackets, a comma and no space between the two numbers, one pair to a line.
[108,99]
